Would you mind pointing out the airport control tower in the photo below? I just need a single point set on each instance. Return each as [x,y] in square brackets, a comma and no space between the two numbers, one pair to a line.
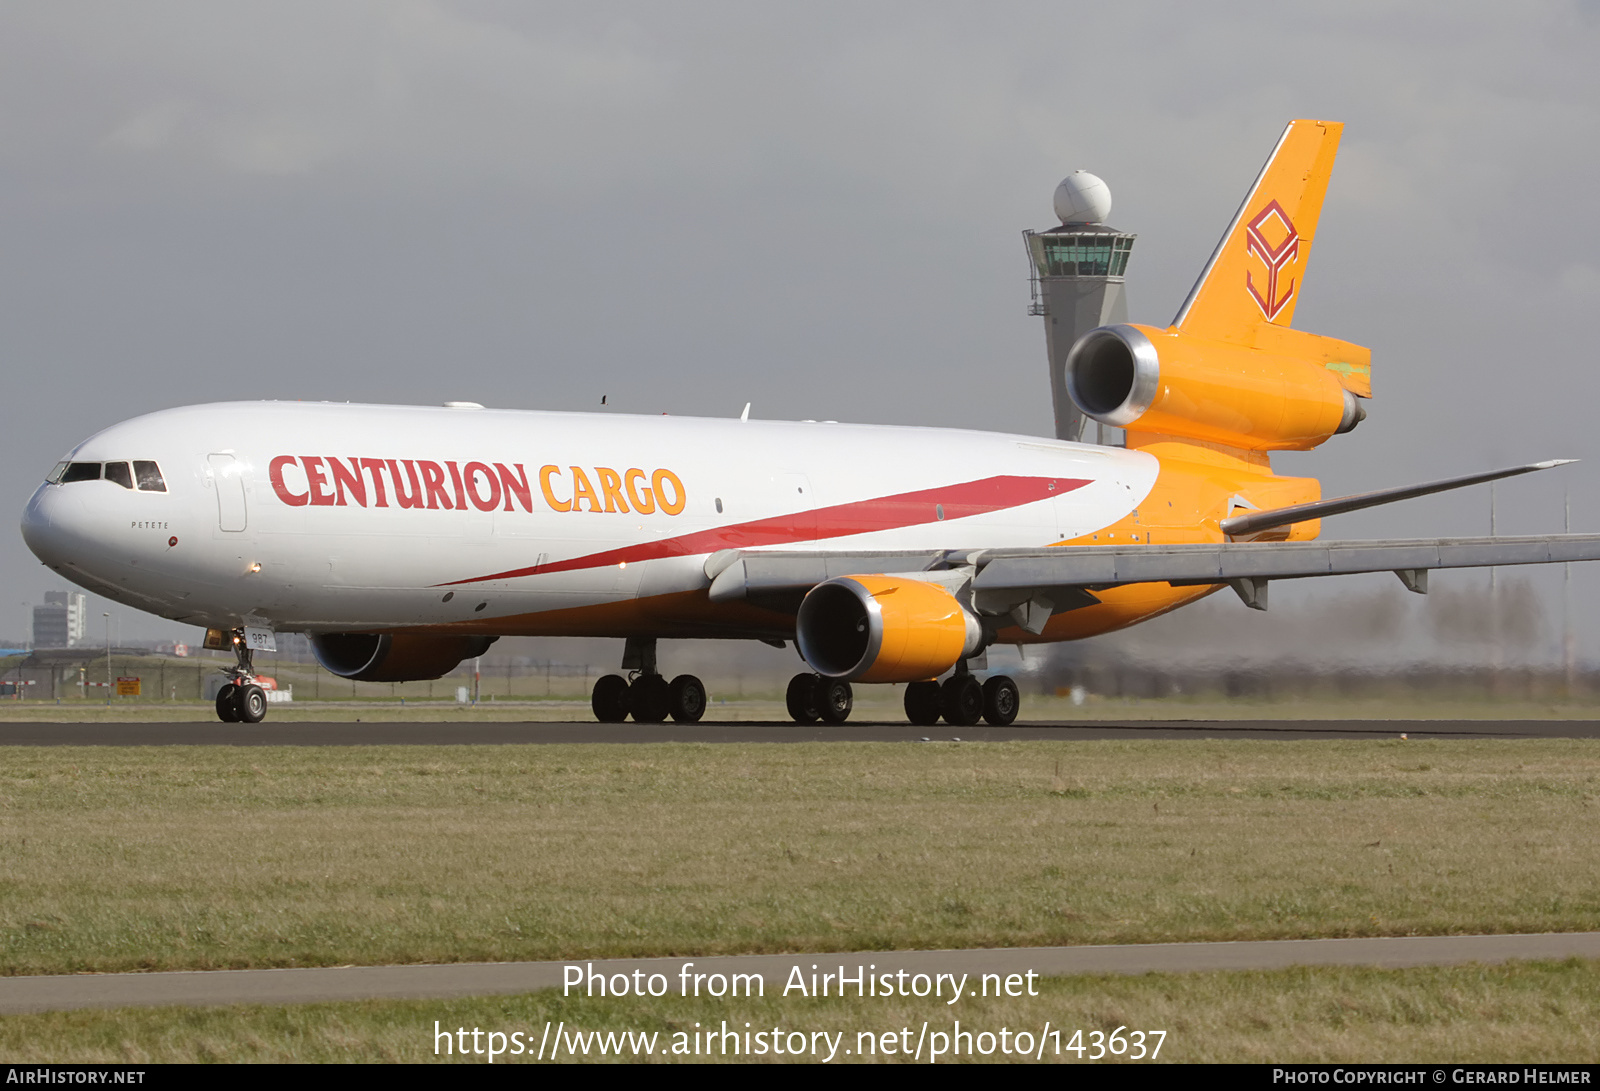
[1077,282]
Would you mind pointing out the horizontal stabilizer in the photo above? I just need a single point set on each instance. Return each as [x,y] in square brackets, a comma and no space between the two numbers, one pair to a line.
[1254,521]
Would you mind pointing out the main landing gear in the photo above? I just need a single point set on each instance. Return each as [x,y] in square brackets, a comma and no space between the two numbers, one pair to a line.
[962,701]
[812,697]
[240,700]
[644,694]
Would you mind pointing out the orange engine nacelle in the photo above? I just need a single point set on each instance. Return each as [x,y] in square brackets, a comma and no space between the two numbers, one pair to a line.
[1149,380]
[884,629]
[394,657]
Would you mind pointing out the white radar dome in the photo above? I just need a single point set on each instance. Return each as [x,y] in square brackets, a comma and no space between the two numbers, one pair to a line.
[1082,198]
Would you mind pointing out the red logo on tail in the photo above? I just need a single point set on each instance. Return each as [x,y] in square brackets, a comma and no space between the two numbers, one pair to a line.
[1275,258]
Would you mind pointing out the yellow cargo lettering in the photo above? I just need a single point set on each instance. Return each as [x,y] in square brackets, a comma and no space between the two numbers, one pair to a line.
[582,489]
[658,482]
[611,486]
[645,504]
[545,474]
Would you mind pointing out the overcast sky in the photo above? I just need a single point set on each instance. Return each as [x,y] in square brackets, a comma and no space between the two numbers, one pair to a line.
[815,208]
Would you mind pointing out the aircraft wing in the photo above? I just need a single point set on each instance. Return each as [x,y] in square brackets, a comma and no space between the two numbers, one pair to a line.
[1065,577]
[1248,566]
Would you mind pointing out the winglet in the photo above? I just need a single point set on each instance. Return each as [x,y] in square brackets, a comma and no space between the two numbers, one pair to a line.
[1253,278]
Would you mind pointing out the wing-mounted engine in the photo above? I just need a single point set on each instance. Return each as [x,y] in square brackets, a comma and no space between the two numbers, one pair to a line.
[395,657]
[1170,383]
[884,629]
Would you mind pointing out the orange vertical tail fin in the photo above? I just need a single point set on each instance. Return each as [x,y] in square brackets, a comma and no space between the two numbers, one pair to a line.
[1253,277]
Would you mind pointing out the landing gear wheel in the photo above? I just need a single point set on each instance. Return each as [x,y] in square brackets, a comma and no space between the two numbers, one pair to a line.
[686,699]
[241,700]
[922,703]
[249,703]
[835,699]
[961,700]
[650,698]
[1001,701]
[802,698]
[227,711]
[610,699]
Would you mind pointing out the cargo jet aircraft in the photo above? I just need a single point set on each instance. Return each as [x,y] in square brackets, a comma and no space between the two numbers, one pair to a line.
[405,539]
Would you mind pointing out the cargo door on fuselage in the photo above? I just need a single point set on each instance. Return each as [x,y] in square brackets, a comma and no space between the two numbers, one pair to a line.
[227,479]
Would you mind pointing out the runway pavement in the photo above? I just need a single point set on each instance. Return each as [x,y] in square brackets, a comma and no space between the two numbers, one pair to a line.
[345,733]
[314,985]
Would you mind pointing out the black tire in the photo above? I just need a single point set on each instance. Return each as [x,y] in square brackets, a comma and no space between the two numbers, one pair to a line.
[250,704]
[802,698]
[1001,701]
[922,703]
[650,699]
[610,699]
[961,700]
[835,699]
[227,711]
[687,699]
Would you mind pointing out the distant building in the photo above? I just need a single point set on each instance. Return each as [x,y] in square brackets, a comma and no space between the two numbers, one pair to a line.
[61,621]
[1078,282]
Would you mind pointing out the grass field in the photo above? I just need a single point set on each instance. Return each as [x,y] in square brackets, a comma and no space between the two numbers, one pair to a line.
[144,858]
[1528,1012]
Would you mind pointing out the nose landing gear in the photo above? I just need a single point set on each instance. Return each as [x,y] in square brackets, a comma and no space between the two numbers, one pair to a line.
[241,701]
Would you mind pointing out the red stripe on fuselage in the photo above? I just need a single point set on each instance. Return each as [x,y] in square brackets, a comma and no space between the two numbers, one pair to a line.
[907,509]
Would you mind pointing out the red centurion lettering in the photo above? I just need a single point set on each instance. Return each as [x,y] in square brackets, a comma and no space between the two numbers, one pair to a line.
[413,498]
[348,479]
[318,482]
[516,486]
[374,466]
[433,478]
[455,479]
[275,473]
[481,502]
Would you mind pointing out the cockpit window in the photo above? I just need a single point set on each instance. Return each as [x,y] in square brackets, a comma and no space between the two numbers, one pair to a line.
[118,472]
[149,475]
[146,473]
[81,471]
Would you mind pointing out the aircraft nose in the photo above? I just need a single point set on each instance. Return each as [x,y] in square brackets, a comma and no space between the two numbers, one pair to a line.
[48,525]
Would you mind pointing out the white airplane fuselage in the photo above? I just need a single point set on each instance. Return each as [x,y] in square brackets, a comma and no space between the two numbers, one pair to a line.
[543,523]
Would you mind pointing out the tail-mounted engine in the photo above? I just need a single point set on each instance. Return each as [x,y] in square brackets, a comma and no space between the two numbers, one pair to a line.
[1168,383]
[395,657]
[884,629]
